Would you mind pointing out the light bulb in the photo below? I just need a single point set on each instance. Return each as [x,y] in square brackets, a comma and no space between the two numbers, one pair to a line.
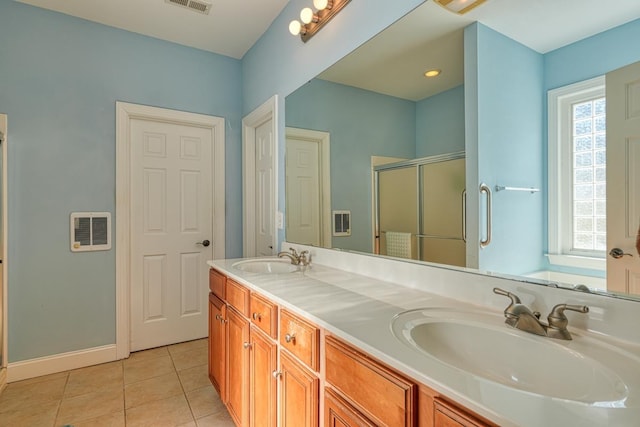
[321,4]
[295,27]
[307,16]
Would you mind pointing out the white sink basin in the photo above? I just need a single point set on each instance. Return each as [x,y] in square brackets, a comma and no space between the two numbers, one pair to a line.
[266,266]
[482,345]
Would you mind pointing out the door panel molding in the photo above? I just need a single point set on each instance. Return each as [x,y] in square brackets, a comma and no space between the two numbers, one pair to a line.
[125,113]
[262,114]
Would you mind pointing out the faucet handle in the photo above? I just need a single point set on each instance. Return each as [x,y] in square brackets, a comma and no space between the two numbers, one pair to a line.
[514,297]
[557,319]
[293,252]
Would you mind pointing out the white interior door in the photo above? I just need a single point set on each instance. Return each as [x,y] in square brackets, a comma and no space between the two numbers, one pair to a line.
[304,215]
[623,181]
[265,230]
[171,218]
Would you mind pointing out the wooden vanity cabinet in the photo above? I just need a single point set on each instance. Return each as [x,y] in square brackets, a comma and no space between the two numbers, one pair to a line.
[247,333]
[218,345]
[299,389]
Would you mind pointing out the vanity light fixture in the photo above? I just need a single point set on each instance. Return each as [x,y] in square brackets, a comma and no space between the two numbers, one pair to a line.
[459,6]
[432,73]
[311,22]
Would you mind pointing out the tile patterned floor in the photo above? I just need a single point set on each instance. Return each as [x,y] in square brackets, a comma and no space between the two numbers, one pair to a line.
[166,386]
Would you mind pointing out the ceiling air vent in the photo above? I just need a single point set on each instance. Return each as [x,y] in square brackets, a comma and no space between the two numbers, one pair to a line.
[195,5]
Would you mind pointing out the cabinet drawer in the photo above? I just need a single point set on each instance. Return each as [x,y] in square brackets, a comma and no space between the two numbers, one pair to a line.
[301,338]
[264,314]
[238,297]
[383,395]
[217,283]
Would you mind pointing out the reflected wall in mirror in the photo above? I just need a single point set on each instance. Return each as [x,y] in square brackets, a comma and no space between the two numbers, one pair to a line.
[498,62]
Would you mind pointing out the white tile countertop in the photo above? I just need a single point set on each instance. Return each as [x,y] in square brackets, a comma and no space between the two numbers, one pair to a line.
[360,309]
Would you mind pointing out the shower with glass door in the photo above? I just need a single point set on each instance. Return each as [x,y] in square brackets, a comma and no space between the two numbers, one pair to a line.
[420,209]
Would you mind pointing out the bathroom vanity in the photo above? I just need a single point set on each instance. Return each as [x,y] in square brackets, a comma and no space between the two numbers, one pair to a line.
[352,340]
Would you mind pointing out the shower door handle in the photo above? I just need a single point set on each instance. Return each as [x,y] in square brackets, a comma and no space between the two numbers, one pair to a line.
[484,188]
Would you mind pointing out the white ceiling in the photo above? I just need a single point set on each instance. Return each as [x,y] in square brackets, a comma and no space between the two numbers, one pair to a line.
[393,62]
[230,29]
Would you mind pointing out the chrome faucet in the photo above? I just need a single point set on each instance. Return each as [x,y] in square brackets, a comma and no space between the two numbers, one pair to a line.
[296,259]
[519,316]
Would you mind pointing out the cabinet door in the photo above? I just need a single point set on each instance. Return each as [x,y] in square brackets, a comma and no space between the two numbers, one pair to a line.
[339,413]
[298,394]
[238,367]
[262,384]
[217,345]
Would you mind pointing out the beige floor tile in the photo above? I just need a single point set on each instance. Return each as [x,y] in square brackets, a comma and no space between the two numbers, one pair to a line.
[147,354]
[220,419]
[188,346]
[145,369]
[190,358]
[157,388]
[94,378]
[173,411]
[91,405]
[109,420]
[37,415]
[189,424]
[205,401]
[194,378]
[22,394]
[43,378]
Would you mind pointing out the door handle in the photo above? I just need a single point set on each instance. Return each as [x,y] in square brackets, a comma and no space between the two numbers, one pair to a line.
[204,243]
[618,253]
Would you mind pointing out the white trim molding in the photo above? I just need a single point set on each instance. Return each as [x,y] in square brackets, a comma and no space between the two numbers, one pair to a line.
[259,116]
[125,113]
[323,139]
[574,261]
[60,362]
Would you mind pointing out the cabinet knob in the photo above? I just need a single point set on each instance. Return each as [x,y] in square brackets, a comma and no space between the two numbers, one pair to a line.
[276,374]
[218,317]
[247,345]
[257,316]
[290,337]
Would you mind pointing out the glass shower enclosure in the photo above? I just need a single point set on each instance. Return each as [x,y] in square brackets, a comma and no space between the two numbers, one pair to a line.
[420,209]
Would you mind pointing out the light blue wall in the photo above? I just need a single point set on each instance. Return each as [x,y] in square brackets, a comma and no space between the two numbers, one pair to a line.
[279,63]
[593,56]
[440,123]
[59,80]
[503,90]
[362,124]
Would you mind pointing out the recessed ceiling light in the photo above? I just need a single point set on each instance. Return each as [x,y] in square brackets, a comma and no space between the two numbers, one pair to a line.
[432,73]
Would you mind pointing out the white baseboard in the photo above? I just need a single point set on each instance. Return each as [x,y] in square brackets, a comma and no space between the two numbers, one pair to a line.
[60,362]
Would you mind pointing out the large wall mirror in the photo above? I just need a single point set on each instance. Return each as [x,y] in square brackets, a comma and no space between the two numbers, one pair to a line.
[375,111]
